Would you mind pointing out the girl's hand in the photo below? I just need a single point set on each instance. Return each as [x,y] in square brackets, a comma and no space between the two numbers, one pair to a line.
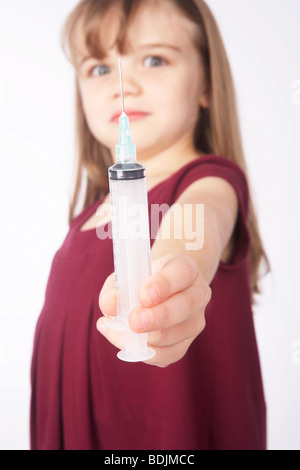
[173,302]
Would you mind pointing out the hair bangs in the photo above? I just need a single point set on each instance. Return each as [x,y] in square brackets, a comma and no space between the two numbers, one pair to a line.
[84,31]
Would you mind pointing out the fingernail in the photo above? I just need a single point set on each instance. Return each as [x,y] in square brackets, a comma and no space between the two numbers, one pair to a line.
[144,320]
[108,296]
[101,327]
[154,294]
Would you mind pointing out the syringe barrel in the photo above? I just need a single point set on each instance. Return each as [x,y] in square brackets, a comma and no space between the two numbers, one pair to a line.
[131,235]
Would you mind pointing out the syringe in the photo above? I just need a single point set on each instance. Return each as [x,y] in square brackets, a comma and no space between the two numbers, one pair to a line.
[131,239]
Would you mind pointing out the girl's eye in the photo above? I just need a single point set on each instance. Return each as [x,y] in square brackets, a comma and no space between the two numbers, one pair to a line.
[154,61]
[100,70]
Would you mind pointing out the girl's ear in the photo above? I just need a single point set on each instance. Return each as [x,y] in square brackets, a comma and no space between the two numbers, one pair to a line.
[204,99]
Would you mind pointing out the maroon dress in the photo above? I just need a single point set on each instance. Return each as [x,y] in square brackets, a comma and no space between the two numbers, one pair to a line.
[84,397]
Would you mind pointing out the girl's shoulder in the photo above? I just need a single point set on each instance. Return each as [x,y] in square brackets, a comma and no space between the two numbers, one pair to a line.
[207,166]
[210,165]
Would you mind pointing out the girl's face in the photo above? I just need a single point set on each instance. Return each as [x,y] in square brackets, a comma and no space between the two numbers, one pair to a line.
[164,83]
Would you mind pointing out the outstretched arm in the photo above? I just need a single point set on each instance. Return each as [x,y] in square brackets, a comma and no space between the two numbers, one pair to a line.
[174,298]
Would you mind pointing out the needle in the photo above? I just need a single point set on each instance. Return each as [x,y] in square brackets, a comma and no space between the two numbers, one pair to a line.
[121,82]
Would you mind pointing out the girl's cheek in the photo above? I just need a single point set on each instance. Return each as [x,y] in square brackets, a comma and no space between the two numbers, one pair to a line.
[91,106]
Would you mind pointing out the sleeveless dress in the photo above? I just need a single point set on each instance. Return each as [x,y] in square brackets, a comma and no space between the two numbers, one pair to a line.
[85,398]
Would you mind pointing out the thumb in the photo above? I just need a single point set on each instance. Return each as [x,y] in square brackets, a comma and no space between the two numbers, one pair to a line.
[108,297]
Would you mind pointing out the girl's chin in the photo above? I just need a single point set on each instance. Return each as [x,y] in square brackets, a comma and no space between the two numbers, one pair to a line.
[142,154]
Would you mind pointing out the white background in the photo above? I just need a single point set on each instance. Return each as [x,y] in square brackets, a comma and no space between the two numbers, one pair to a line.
[36,150]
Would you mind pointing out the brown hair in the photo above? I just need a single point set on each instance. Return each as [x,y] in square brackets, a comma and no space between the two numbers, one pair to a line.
[217,130]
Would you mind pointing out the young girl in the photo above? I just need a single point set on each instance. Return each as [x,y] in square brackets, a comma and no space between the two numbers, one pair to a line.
[203,389]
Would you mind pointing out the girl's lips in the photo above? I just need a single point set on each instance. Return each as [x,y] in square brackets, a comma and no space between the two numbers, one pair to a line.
[132,115]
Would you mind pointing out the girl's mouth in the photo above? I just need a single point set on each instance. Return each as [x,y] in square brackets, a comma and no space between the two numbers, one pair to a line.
[133,115]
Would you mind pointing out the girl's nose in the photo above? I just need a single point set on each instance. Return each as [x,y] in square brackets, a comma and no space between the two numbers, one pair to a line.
[131,86]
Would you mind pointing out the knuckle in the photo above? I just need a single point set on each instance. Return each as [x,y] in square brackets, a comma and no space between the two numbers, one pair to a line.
[184,346]
[192,303]
[189,267]
[205,289]
[181,350]
[162,283]
[208,294]
[193,300]
[157,338]
[160,263]
[175,354]
[202,324]
[163,314]
[199,325]
[163,365]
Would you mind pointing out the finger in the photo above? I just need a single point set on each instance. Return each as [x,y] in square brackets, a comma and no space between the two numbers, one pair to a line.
[116,338]
[178,333]
[176,309]
[178,272]
[108,297]
[169,354]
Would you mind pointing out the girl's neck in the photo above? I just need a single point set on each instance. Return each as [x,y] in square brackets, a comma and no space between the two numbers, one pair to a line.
[166,164]
[163,164]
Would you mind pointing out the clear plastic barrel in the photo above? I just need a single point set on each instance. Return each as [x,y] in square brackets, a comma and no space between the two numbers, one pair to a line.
[131,244]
